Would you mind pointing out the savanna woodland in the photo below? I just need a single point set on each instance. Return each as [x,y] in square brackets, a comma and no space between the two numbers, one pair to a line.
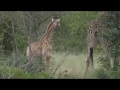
[59,44]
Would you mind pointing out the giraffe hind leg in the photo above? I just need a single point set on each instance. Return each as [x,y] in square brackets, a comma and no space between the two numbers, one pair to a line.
[89,60]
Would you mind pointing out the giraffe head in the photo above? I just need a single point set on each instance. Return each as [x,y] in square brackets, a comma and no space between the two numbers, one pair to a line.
[56,21]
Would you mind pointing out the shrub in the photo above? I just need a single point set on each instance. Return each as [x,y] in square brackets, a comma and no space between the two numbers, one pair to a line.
[107,74]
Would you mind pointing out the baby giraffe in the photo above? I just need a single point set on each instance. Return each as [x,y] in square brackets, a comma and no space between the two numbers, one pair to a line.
[43,48]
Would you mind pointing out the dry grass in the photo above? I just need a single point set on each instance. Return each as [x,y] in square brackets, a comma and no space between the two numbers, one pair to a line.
[74,65]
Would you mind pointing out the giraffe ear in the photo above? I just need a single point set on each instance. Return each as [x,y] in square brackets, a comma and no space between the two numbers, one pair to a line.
[52,19]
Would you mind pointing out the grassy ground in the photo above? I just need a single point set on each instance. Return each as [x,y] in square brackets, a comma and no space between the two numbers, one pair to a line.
[74,65]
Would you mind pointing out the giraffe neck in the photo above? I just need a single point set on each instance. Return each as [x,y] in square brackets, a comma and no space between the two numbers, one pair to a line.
[49,32]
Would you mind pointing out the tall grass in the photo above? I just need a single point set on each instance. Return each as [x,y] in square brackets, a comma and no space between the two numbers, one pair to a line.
[74,66]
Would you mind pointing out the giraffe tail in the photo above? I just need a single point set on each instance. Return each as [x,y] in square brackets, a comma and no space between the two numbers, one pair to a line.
[27,52]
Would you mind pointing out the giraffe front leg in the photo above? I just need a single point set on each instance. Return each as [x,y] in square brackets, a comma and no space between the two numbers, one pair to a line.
[48,60]
[91,56]
[48,57]
[87,66]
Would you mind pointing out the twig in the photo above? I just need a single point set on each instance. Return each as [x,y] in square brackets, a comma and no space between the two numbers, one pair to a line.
[60,63]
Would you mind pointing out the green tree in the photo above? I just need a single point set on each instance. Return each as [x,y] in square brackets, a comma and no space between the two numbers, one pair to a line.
[110,33]
[72,33]
[6,34]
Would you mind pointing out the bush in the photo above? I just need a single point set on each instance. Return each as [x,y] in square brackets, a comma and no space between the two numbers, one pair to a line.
[107,74]
[42,75]
[13,73]
[19,73]
[110,32]
[22,68]
[104,62]
[101,74]
[66,75]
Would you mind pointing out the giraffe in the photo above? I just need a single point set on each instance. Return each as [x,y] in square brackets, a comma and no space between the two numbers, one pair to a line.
[92,39]
[43,47]
[91,42]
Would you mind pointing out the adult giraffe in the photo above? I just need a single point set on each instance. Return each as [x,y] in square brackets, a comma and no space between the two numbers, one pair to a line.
[44,47]
[92,38]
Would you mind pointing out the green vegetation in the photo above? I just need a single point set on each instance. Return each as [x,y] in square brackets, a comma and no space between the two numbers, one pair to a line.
[18,29]
[73,31]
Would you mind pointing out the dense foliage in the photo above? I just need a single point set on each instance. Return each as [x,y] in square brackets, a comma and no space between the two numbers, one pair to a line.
[110,33]
[72,34]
